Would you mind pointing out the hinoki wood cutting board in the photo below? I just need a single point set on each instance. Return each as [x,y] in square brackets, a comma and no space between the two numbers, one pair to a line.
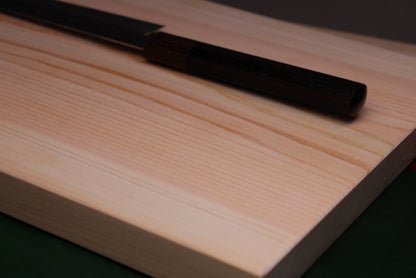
[178,176]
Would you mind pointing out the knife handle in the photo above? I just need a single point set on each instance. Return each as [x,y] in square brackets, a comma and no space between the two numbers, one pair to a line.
[265,77]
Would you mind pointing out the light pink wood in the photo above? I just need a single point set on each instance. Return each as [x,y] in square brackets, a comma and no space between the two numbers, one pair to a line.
[178,176]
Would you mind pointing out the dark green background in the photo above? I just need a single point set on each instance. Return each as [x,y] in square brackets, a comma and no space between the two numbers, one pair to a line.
[380,243]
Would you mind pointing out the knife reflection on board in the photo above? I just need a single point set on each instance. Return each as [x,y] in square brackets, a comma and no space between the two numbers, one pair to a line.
[260,76]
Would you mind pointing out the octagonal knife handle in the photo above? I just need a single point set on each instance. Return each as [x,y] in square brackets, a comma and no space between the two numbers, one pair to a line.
[261,76]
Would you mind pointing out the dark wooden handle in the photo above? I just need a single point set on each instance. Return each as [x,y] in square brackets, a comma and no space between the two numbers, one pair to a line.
[270,78]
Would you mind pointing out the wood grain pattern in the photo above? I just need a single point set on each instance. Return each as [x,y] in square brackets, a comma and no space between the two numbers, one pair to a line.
[181,177]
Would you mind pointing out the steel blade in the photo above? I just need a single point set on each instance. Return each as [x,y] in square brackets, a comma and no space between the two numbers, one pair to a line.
[108,26]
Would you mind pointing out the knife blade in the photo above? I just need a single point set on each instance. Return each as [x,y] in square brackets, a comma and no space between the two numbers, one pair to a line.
[266,77]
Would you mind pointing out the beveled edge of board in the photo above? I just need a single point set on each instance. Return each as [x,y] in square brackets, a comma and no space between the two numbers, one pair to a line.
[315,243]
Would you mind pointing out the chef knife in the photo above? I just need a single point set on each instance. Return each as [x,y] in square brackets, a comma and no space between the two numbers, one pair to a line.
[258,75]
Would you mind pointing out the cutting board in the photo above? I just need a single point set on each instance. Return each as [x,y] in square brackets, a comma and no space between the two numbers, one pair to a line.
[178,176]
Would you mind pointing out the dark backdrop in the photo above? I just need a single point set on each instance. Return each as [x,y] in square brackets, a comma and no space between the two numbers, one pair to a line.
[390,19]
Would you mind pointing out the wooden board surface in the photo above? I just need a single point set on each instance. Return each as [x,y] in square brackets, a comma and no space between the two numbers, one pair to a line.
[181,177]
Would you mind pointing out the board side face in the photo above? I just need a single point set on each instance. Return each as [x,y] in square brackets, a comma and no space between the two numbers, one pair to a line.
[108,236]
[235,178]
